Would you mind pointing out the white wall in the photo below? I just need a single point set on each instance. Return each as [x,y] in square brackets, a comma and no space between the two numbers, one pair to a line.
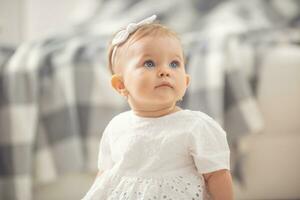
[47,16]
[11,14]
[23,20]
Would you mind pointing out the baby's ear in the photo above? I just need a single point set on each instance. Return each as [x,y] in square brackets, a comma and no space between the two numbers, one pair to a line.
[187,80]
[118,84]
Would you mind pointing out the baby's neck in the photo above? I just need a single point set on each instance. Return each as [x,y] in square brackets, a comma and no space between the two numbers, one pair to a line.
[156,113]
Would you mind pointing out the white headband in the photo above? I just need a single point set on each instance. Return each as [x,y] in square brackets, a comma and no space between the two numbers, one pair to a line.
[123,35]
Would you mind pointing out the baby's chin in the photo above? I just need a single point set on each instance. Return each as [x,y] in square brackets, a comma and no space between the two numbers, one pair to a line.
[162,101]
[165,98]
[156,101]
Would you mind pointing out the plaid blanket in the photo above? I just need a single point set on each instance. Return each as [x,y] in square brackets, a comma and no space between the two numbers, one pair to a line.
[55,100]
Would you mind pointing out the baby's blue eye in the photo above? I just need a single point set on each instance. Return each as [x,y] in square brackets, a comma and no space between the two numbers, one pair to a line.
[149,63]
[174,64]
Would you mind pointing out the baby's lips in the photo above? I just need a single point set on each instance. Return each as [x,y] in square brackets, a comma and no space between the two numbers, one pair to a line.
[164,84]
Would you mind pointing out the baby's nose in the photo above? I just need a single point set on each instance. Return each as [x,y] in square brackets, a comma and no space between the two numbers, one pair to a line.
[163,72]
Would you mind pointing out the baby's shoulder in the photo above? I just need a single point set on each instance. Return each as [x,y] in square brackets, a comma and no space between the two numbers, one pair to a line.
[207,124]
[199,118]
[117,124]
[119,119]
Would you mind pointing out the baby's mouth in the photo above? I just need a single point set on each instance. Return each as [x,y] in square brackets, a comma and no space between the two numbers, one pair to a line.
[164,84]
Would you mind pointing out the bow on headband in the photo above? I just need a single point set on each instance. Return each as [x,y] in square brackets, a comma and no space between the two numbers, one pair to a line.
[123,34]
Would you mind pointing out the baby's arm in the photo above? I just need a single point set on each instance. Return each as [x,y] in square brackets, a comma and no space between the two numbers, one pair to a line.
[219,184]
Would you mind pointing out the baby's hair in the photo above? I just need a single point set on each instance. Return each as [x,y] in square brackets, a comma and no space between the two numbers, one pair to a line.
[153,29]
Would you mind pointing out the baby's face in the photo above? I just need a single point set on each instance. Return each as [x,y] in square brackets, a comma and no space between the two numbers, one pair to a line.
[154,72]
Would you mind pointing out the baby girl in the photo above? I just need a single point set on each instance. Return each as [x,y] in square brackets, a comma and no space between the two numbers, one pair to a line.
[157,150]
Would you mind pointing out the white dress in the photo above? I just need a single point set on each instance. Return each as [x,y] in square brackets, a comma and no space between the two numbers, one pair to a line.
[158,158]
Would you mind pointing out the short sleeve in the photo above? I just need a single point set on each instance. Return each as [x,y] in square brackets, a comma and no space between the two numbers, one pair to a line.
[104,157]
[208,145]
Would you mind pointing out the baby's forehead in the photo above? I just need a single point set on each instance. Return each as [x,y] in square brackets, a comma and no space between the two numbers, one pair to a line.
[155,44]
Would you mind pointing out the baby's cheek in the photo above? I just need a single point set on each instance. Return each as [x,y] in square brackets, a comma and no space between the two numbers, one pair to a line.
[143,88]
[182,87]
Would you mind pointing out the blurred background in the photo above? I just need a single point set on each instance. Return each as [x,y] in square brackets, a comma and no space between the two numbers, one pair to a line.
[56,98]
